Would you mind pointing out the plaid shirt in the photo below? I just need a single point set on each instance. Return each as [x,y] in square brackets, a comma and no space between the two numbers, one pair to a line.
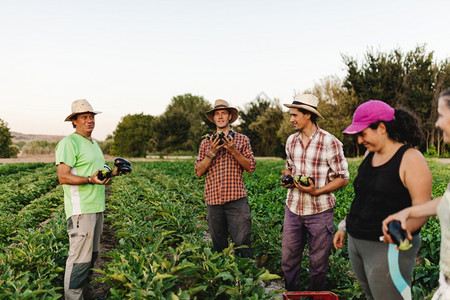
[224,181]
[323,159]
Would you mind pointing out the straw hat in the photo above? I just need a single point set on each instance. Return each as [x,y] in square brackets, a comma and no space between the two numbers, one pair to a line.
[81,106]
[307,102]
[222,104]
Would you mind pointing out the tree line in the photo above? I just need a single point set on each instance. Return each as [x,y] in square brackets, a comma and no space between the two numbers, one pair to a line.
[411,80]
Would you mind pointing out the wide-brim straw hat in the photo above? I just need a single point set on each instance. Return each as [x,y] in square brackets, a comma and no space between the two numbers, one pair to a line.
[222,104]
[79,107]
[307,102]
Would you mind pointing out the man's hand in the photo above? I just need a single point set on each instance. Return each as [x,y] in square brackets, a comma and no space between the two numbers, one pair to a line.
[95,180]
[214,144]
[311,189]
[339,239]
[228,144]
[287,172]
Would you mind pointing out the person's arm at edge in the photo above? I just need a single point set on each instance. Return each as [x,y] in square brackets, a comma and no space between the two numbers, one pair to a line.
[418,181]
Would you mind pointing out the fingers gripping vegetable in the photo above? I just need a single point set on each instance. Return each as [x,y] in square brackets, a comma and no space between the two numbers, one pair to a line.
[287,179]
[303,180]
[398,235]
[104,173]
[123,165]
[221,136]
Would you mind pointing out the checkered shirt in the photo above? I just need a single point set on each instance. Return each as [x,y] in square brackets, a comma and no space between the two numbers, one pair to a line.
[323,159]
[224,181]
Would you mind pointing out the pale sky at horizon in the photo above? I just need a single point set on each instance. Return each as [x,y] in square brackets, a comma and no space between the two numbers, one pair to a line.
[130,57]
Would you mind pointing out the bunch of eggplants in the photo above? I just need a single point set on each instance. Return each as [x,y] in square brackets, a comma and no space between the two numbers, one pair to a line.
[303,180]
[123,167]
[221,135]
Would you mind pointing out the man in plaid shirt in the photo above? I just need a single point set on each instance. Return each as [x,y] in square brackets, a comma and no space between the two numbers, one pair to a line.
[309,213]
[223,160]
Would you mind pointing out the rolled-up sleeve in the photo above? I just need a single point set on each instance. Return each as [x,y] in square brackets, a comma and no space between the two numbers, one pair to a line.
[203,149]
[336,160]
[248,153]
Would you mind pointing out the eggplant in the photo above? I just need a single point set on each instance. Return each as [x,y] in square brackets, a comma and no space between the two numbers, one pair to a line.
[123,165]
[304,180]
[398,235]
[221,135]
[121,161]
[104,173]
[124,169]
[287,179]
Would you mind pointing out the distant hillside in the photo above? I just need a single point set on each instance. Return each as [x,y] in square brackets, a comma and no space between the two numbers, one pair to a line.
[21,137]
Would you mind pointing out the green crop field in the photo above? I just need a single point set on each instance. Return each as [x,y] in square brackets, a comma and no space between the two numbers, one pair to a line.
[162,251]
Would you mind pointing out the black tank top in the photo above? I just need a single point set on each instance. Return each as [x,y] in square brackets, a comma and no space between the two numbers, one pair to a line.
[379,192]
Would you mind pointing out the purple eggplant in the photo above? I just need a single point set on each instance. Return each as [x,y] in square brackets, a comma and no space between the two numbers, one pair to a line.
[399,235]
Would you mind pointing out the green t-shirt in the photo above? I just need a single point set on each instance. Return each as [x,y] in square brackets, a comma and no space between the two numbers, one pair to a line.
[85,158]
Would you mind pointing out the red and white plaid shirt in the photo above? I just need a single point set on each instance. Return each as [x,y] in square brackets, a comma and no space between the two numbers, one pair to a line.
[323,159]
[224,181]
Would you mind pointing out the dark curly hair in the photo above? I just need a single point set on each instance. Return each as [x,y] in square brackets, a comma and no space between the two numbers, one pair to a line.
[405,128]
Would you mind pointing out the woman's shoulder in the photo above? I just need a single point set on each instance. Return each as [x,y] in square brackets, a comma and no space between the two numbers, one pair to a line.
[413,158]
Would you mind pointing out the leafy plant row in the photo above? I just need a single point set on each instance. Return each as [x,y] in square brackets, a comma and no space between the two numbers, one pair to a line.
[19,192]
[32,265]
[159,219]
[8,169]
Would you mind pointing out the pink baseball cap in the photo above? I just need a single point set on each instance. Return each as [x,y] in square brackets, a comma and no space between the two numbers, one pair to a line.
[368,113]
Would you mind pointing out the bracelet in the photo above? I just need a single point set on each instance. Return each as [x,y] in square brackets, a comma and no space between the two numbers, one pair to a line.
[342,226]
[89,180]
[210,155]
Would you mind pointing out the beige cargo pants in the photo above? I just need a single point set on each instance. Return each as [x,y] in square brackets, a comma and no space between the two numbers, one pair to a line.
[84,238]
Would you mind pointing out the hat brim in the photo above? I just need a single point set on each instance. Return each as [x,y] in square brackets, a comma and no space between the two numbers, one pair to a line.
[233,110]
[355,128]
[69,117]
[305,107]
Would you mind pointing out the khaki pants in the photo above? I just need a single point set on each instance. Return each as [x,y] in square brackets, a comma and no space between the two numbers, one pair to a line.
[84,238]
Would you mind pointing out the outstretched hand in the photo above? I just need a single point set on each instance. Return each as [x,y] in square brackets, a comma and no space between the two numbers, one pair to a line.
[400,216]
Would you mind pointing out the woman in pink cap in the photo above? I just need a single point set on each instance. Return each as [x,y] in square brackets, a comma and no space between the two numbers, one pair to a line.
[439,206]
[392,176]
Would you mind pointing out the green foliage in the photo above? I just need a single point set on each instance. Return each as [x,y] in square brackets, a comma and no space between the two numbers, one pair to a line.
[159,220]
[7,149]
[182,125]
[247,116]
[412,80]
[107,144]
[163,251]
[132,135]
[265,125]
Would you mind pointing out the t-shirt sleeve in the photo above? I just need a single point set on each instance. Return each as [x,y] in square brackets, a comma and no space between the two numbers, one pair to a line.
[65,152]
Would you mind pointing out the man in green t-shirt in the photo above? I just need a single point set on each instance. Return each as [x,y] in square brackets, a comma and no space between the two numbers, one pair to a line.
[78,160]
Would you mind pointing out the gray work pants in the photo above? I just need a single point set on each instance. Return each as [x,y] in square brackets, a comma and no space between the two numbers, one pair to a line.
[84,237]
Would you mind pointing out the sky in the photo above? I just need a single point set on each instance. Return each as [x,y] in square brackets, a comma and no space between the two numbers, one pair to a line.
[134,56]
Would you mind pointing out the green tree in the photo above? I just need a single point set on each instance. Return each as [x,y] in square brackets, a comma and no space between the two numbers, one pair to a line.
[247,116]
[132,135]
[265,125]
[412,80]
[182,124]
[7,149]
[172,132]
